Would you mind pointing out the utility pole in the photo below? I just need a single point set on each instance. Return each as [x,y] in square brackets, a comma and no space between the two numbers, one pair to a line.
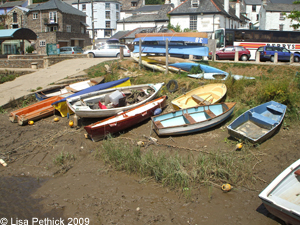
[93,32]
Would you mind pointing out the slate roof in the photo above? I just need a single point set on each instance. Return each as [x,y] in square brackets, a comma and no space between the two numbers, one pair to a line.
[59,5]
[160,16]
[88,1]
[205,7]
[126,4]
[22,8]
[253,2]
[271,7]
[148,8]
[12,4]
[283,1]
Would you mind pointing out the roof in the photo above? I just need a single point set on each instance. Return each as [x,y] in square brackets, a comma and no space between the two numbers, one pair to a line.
[19,33]
[253,2]
[21,8]
[205,7]
[271,7]
[61,6]
[148,8]
[120,34]
[161,15]
[88,1]
[282,1]
[12,4]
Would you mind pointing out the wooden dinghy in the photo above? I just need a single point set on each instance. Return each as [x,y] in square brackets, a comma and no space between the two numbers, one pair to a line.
[281,196]
[124,120]
[192,120]
[66,89]
[203,95]
[109,102]
[259,123]
[34,112]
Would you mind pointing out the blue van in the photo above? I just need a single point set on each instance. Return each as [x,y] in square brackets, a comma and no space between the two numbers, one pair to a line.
[267,54]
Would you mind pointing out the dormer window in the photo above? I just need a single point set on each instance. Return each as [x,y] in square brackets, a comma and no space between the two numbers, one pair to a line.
[195,3]
[134,4]
[53,17]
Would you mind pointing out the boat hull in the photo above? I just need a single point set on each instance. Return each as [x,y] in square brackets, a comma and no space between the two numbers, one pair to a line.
[187,125]
[34,112]
[259,123]
[76,104]
[281,196]
[97,131]
[212,93]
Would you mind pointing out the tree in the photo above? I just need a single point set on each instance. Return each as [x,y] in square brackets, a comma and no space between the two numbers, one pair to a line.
[295,15]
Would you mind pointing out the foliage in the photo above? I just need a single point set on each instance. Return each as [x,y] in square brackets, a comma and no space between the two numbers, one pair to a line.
[295,15]
[154,2]
[62,158]
[29,49]
[176,28]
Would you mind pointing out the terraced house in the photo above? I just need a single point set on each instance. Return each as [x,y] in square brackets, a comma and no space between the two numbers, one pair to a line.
[56,22]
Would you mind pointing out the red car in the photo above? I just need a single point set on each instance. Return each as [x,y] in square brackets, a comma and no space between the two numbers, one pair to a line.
[229,53]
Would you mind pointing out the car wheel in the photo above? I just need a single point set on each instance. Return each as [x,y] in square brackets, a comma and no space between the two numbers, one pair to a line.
[272,59]
[244,58]
[91,55]
[217,57]
[118,55]
[296,59]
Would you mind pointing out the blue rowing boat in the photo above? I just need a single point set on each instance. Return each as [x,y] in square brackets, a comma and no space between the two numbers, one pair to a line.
[193,119]
[259,123]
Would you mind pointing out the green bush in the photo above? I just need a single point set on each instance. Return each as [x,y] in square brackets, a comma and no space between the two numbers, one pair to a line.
[29,49]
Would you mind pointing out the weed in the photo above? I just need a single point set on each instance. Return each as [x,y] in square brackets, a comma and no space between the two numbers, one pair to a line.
[62,158]
[25,102]
[39,88]
[2,110]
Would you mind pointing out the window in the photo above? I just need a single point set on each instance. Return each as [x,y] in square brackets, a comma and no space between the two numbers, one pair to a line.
[53,17]
[68,28]
[107,33]
[280,26]
[118,15]
[193,22]
[15,17]
[281,16]
[107,14]
[195,3]
[107,5]
[35,16]
[82,29]
[51,28]
[42,43]
[83,7]
[257,17]
[117,7]
[253,8]
[107,24]
[14,26]
[133,4]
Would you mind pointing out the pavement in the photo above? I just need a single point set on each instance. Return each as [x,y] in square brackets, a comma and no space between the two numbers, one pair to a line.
[23,85]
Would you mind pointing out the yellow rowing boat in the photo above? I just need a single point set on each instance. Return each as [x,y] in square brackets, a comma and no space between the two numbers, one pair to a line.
[204,95]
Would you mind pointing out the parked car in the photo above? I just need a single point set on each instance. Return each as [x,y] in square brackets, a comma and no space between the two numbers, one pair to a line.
[267,54]
[229,53]
[70,50]
[108,50]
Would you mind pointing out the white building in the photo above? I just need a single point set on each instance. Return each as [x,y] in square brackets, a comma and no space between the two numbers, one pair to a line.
[251,10]
[106,14]
[207,15]
[273,16]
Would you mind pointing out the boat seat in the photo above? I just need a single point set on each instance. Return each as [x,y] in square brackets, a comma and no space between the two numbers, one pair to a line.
[297,172]
[189,118]
[200,100]
[210,113]
[263,119]
[158,124]
[277,109]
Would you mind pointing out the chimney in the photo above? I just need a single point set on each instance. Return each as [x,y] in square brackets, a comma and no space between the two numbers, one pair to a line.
[238,8]
[143,2]
[226,5]
[30,2]
[264,2]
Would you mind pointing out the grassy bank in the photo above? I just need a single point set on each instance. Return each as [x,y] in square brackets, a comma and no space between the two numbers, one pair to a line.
[272,82]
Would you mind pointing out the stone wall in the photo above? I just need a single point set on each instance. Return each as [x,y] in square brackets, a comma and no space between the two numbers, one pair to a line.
[21,19]
[31,61]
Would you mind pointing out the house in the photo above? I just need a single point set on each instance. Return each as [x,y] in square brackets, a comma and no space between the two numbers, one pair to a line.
[128,6]
[56,22]
[250,9]
[16,18]
[272,16]
[104,19]
[206,15]
[7,6]
[146,16]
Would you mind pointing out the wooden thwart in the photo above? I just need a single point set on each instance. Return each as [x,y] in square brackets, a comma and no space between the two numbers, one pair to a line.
[189,118]
[200,100]
[210,113]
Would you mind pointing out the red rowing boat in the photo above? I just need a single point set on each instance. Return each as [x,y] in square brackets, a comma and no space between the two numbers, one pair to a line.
[124,120]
